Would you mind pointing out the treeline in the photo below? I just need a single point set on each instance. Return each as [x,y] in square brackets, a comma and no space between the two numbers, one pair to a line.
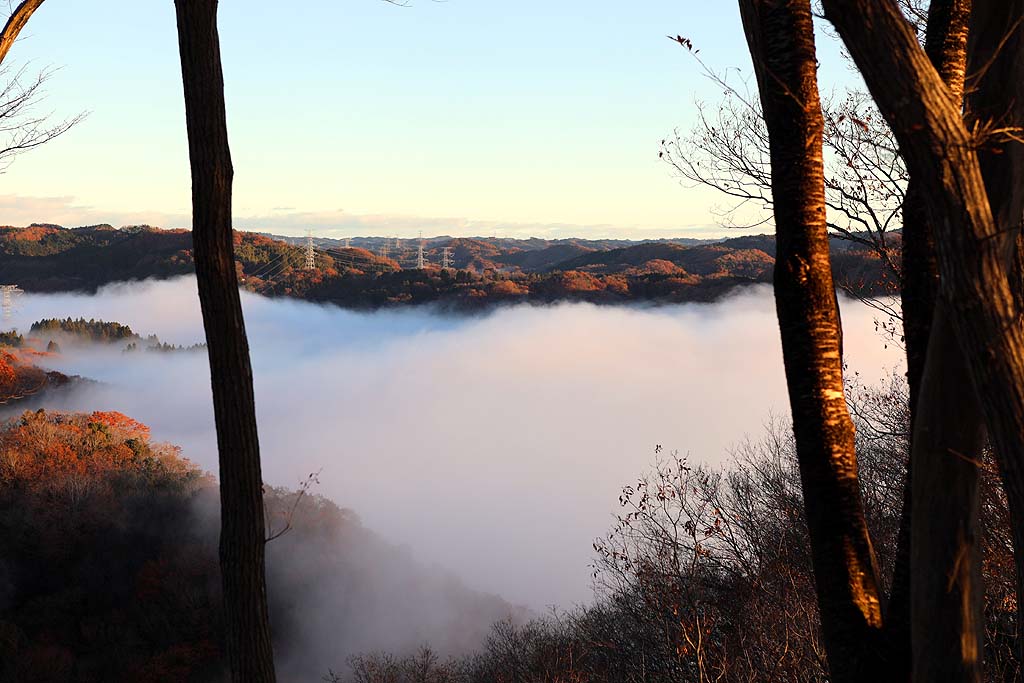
[49,258]
[657,272]
[164,347]
[12,338]
[100,331]
[80,330]
[467,290]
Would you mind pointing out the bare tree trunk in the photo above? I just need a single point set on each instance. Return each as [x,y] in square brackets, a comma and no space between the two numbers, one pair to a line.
[996,100]
[19,17]
[934,620]
[241,487]
[946,47]
[947,627]
[977,288]
[781,39]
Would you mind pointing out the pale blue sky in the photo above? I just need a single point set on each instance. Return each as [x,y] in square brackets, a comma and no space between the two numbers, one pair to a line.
[359,117]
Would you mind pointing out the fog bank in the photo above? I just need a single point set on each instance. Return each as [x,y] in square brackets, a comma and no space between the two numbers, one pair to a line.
[494,445]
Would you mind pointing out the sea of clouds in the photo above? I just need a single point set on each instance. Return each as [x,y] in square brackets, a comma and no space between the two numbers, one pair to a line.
[494,445]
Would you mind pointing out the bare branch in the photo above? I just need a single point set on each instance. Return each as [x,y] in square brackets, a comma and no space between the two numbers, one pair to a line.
[15,23]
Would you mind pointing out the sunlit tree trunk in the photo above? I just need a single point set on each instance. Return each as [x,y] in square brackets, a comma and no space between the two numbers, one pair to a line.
[242,544]
[781,39]
[19,17]
[974,239]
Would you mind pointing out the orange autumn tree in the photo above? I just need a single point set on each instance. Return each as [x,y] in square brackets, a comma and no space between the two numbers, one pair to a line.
[120,422]
[8,377]
[72,455]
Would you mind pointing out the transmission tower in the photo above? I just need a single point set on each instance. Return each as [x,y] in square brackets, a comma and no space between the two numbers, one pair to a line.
[401,252]
[348,242]
[384,249]
[420,261]
[310,254]
[8,294]
[446,258]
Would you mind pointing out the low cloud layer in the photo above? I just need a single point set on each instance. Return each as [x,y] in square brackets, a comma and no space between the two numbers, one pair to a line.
[495,445]
[287,220]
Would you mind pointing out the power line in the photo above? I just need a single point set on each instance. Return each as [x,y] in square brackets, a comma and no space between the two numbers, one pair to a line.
[268,264]
[356,260]
[277,270]
[402,249]
[352,255]
[265,267]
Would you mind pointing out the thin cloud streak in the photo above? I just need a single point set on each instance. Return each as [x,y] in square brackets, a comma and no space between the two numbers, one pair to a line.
[70,212]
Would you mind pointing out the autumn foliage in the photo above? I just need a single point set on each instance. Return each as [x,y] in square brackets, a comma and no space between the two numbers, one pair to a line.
[109,571]
[20,377]
[485,271]
[8,377]
[104,579]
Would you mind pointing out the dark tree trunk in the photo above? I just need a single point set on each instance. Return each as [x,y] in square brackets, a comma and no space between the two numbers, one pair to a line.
[781,39]
[996,100]
[978,290]
[946,47]
[241,487]
[947,627]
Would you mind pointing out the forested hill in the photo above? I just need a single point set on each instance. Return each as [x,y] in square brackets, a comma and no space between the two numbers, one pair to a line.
[368,272]
[49,258]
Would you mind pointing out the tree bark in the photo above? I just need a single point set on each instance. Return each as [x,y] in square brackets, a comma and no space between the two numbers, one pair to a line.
[977,289]
[946,47]
[996,100]
[242,544]
[19,17]
[947,626]
[781,39]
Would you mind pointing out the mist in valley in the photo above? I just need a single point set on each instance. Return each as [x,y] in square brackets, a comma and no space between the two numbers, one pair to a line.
[490,448]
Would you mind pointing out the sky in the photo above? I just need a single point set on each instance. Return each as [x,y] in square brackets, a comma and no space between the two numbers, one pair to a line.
[359,117]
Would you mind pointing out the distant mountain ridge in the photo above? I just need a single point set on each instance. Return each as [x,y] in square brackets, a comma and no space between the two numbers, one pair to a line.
[369,272]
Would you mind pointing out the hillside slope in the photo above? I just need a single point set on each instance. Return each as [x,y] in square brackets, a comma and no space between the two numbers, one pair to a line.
[52,259]
[373,272]
[109,542]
